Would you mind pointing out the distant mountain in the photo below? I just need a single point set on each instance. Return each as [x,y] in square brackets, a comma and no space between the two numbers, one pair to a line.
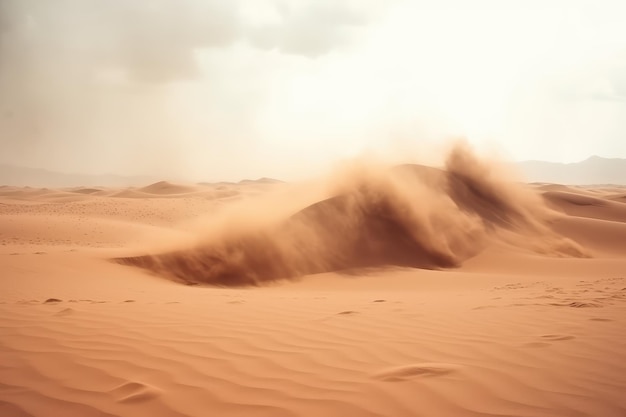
[594,170]
[33,177]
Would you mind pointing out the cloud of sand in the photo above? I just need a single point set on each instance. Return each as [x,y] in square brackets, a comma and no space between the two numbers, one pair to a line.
[410,215]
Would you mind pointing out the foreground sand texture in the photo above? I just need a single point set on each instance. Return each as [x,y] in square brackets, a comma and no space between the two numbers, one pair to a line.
[512,329]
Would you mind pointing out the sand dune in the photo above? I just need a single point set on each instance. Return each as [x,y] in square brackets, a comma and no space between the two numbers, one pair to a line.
[602,236]
[584,206]
[84,190]
[420,292]
[164,187]
[412,216]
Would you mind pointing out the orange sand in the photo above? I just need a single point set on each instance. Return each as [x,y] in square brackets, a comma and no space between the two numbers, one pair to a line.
[529,321]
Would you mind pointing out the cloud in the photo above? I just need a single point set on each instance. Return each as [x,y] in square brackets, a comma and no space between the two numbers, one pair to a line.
[310,28]
[90,83]
[234,87]
[155,41]
[151,41]
[71,70]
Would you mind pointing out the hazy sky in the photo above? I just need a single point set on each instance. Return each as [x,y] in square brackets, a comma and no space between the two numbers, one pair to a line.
[209,89]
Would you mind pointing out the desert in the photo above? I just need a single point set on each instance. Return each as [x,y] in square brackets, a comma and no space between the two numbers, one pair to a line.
[312,208]
[126,302]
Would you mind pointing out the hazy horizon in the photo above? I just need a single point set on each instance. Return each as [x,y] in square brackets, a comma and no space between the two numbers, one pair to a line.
[154,176]
[247,89]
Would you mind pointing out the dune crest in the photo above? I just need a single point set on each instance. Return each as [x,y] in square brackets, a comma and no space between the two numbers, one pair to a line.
[411,215]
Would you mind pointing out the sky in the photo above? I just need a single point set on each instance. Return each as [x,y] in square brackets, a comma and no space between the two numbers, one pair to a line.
[224,90]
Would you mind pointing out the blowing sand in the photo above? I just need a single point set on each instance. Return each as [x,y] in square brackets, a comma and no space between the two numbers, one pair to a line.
[406,292]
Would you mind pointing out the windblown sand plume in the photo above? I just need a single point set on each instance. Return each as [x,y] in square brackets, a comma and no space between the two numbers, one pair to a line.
[411,215]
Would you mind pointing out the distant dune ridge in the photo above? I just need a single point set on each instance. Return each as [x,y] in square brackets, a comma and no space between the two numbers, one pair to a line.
[412,215]
[592,171]
[18,176]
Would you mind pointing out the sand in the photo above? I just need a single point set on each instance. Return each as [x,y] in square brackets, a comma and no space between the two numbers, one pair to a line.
[510,328]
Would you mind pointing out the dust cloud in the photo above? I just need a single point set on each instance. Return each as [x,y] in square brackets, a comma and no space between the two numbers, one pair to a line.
[373,216]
